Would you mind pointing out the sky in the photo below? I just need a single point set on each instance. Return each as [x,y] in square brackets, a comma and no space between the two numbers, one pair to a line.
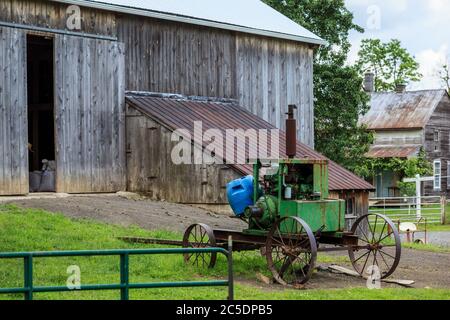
[423,27]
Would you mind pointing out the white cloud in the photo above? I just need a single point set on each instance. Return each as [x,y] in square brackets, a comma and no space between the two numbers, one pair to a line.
[396,5]
[438,6]
[422,27]
[431,62]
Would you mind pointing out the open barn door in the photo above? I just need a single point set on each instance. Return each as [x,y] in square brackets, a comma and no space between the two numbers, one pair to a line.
[90,115]
[13,113]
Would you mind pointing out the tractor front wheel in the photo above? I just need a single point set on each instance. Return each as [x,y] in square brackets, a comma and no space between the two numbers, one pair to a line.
[200,236]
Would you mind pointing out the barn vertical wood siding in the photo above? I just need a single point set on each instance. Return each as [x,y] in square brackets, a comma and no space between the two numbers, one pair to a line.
[263,74]
[52,15]
[13,113]
[152,171]
[90,115]
[359,206]
[271,74]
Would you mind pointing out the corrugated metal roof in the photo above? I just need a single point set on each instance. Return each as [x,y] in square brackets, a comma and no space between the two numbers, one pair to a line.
[409,110]
[393,151]
[249,16]
[176,113]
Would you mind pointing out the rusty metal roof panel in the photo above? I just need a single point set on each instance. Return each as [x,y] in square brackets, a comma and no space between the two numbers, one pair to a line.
[408,110]
[383,152]
[175,112]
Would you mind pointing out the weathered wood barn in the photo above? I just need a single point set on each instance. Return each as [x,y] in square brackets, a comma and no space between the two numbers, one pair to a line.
[404,123]
[63,83]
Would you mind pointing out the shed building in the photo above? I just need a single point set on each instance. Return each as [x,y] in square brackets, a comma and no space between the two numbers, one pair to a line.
[151,121]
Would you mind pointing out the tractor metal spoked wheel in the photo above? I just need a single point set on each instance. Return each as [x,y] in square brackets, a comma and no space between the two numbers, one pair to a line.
[291,251]
[378,246]
[200,236]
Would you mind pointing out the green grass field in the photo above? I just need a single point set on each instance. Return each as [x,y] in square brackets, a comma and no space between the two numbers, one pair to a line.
[37,230]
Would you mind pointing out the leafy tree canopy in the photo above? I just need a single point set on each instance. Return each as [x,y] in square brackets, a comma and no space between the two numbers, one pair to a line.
[445,76]
[329,19]
[407,168]
[391,63]
[339,104]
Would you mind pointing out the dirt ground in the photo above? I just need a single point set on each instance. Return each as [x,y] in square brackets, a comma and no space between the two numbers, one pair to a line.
[427,269]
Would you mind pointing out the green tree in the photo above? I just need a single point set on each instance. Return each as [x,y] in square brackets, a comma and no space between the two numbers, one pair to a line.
[406,168]
[392,64]
[340,99]
[445,76]
[329,19]
[339,104]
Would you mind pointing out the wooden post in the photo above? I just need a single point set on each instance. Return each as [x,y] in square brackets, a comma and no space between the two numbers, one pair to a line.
[419,197]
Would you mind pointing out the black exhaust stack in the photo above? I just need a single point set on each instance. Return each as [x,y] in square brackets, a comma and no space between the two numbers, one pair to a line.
[291,133]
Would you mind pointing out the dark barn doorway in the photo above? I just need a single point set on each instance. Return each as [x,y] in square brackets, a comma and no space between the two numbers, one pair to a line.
[41,122]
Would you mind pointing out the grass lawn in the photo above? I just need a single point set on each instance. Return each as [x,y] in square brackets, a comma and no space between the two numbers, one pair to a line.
[37,230]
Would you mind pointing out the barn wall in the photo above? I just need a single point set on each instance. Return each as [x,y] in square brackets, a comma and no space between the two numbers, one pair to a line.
[359,205]
[271,74]
[48,14]
[440,120]
[151,170]
[13,113]
[177,58]
[263,74]
[90,115]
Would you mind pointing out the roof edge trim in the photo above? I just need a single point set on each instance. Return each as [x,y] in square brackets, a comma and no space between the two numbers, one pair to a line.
[192,20]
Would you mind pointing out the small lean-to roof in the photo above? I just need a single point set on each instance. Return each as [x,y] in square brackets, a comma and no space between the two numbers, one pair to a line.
[408,110]
[249,16]
[178,112]
[383,152]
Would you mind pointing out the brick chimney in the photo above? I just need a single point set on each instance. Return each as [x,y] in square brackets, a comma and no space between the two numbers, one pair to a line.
[369,82]
[400,88]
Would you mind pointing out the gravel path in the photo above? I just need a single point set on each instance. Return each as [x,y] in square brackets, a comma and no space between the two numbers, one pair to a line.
[441,238]
[131,210]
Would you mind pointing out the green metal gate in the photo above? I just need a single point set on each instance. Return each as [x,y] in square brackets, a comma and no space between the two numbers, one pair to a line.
[124,286]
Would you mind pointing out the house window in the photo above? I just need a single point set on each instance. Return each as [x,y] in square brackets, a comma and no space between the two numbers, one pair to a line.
[350,204]
[436,136]
[448,174]
[437,175]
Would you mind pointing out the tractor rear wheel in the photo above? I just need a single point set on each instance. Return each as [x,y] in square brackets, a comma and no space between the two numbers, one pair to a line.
[291,251]
[379,246]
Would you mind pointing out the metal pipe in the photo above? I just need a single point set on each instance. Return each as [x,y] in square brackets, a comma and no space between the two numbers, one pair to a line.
[56,31]
[291,133]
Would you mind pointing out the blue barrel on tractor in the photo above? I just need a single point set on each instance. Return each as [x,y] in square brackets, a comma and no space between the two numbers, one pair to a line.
[240,194]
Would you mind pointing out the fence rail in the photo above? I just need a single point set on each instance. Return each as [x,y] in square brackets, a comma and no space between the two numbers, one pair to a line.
[425,209]
[124,286]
